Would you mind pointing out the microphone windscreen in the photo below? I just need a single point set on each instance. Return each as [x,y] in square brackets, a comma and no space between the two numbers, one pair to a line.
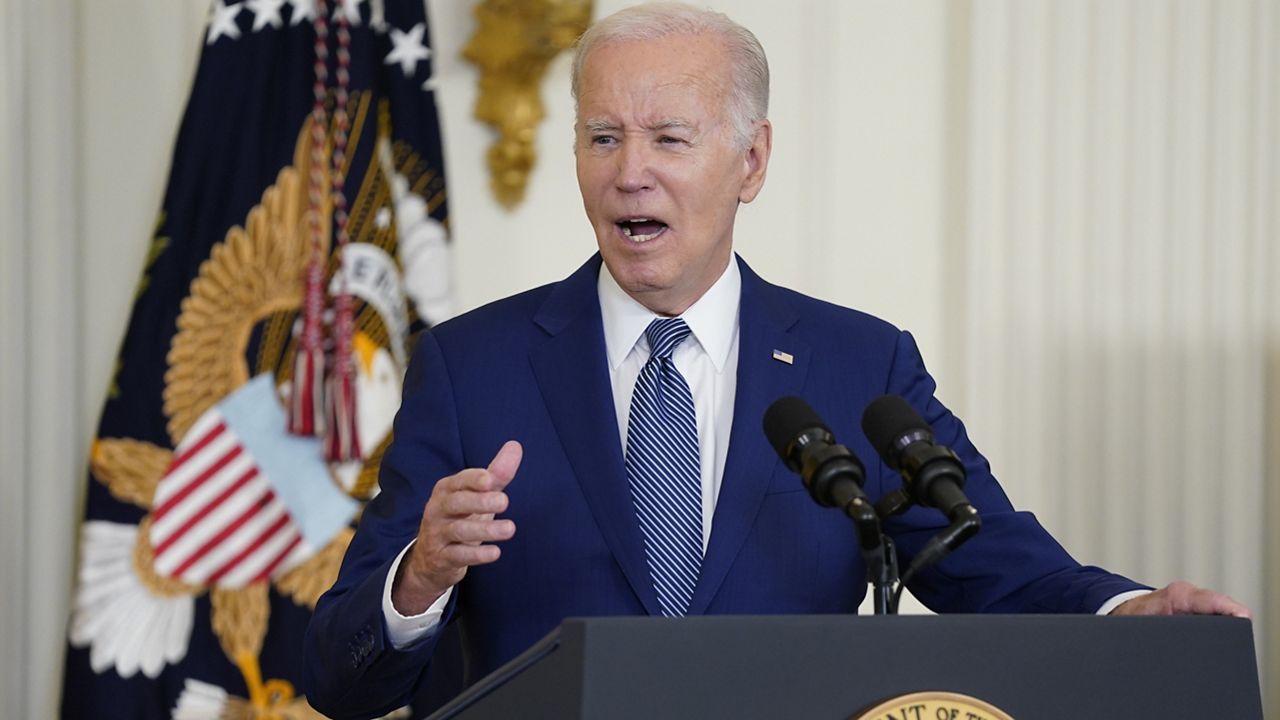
[887,419]
[786,419]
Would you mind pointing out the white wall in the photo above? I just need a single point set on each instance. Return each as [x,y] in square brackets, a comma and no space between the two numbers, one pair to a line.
[866,205]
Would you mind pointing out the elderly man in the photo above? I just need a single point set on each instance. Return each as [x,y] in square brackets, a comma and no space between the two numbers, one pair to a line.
[593,447]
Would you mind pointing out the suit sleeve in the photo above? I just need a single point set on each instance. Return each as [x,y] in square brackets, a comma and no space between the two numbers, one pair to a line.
[1012,564]
[352,669]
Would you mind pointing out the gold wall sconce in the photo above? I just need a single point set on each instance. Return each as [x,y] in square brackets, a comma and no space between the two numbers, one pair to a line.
[513,43]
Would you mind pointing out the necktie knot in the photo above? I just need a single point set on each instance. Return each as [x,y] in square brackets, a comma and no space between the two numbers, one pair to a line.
[665,335]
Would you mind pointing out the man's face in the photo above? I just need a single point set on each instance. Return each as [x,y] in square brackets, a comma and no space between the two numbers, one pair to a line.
[659,168]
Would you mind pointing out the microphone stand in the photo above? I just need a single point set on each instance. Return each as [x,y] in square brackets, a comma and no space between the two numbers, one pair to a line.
[881,557]
[964,524]
[878,551]
[883,575]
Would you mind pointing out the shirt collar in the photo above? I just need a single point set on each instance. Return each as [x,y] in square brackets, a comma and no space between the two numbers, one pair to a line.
[713,319]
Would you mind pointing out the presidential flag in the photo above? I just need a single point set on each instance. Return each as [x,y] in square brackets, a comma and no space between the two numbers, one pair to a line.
[302,240]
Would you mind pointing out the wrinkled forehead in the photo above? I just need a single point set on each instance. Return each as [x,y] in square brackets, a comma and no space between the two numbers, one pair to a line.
[674,75]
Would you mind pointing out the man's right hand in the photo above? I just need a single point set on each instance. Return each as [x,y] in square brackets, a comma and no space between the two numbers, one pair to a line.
[456,524]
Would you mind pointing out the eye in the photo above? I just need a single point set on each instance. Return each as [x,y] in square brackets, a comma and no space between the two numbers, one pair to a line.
[603,140]
[670,140]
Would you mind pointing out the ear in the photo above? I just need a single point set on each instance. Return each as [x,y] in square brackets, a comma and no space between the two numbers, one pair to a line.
[756,160]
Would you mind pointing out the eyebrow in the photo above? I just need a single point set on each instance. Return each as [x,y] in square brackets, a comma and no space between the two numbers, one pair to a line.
[598,125]
[605,125]
[674,124]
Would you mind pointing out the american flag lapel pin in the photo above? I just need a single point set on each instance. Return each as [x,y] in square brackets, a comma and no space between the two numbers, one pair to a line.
[785,357]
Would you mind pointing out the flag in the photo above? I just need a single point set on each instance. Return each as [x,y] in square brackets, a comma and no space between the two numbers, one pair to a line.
[310,143]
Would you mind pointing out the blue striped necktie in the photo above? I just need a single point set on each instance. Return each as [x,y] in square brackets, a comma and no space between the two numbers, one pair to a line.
[663,469]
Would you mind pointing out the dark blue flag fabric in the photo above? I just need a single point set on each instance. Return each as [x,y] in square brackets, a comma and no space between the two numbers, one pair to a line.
[210,531]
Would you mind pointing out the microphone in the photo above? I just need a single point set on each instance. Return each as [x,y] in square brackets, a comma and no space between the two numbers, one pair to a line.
[834,477]
[933,473]
[832,473]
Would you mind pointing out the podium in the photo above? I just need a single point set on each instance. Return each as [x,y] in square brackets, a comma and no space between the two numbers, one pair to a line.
[1033,667]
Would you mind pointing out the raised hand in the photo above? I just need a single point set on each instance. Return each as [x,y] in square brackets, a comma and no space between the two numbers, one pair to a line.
[457,531]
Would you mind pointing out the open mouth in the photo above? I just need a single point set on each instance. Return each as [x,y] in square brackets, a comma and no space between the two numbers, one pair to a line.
[641,229]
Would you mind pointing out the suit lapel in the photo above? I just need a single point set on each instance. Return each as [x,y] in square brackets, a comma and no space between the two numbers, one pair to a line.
[573,377]
[765,317]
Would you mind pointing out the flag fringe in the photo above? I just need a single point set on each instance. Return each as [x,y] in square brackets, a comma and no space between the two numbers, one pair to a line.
[306,404]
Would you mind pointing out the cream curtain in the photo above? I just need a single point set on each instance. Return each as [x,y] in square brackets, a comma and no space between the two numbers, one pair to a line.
[1116,284]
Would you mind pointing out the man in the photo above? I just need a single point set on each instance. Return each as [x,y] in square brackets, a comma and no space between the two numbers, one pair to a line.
[576,450]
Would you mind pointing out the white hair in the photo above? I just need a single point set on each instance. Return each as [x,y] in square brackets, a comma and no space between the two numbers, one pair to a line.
[748,71]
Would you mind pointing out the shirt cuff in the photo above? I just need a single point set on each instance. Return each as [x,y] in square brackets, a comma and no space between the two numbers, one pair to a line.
[1119,600]
[403,631]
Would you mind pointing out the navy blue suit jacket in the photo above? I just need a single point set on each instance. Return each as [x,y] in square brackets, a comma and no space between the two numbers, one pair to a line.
[532,368]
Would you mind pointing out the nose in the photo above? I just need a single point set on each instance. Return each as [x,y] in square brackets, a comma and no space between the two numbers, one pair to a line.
[634,170]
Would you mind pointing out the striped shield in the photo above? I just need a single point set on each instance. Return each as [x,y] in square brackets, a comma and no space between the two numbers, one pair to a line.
[243,500]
